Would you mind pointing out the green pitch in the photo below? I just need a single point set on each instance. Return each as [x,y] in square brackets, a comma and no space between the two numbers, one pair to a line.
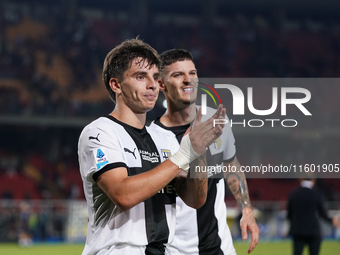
[263,248]
[284,248]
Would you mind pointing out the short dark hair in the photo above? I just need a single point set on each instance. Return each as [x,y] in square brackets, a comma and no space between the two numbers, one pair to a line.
[171,56]
[120,58]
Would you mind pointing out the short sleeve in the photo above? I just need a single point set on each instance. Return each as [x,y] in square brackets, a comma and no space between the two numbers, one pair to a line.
[99,150]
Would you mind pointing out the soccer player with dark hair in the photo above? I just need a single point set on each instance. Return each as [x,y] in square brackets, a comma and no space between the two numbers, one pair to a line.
[205,230]
[130,194]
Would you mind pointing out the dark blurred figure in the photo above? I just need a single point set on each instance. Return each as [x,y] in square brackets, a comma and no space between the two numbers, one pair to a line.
[304,207]
[25,233]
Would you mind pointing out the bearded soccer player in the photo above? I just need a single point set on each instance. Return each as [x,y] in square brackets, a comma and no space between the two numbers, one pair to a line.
[129,193]
[205,230]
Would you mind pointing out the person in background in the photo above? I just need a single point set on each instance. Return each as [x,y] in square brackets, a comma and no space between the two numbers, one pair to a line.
[205,230]
[25,232]
[304,206]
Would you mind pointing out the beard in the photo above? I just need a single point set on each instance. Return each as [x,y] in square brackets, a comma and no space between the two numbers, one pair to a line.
[189,101]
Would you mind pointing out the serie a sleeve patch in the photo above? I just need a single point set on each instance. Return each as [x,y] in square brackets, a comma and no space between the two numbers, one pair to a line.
[100,158]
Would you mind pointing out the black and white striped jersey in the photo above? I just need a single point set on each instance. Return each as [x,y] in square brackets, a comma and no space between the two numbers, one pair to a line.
[205,230]
[148,227]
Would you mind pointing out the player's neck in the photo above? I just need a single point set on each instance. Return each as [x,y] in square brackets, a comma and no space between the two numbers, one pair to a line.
[126,115]
[178,117]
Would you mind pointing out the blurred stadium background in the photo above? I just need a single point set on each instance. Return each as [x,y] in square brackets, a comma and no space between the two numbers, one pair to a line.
[51,55]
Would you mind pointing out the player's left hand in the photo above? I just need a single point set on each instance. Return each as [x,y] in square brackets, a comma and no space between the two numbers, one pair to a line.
[248,223]
[203,134]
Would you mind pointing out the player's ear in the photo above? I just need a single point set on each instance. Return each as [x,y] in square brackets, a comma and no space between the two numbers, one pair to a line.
[161,85]
[115,85]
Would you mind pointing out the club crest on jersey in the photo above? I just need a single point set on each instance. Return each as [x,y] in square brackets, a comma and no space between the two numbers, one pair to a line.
[101,159]
[165,154]
[217,143]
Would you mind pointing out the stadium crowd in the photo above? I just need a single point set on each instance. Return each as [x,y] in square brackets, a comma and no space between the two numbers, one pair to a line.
[242,46]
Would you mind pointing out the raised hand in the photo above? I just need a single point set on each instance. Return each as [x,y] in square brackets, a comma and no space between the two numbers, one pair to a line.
[203,134]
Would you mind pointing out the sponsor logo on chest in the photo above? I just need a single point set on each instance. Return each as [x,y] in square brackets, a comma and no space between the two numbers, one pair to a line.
[153,157]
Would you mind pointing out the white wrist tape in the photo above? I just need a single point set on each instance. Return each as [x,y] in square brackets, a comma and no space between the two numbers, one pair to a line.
[185,154]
